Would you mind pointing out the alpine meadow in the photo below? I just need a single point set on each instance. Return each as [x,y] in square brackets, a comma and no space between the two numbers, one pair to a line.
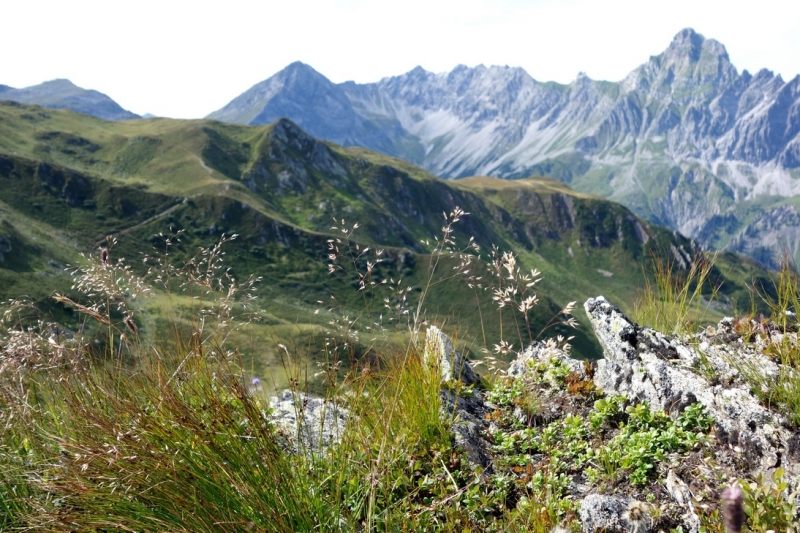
[467,301]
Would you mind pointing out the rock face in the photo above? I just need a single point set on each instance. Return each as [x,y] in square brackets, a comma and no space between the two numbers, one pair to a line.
[681,129]
[665,372]
[605,513]
[63,94]
[309,424]
[466,410]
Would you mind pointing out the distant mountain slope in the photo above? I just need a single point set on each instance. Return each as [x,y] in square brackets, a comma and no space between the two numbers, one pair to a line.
[316,105]
[685,140]
[63,94]
[69,180]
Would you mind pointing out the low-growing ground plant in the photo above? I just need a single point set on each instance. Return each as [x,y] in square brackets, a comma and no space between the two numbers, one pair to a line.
[648,437]
[767,504]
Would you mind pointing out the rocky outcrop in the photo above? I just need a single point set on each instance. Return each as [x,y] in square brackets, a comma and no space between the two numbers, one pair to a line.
[308,423]
[466,410]
[609,514]
[645,365]
[671,374]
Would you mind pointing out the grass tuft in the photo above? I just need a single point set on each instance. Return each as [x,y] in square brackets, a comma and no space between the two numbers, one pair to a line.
[674,300]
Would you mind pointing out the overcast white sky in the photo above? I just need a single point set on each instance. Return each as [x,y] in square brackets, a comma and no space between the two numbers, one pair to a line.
[185,59]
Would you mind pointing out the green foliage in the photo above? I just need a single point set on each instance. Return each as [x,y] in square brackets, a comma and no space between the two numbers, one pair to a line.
[767,506]
[605,410]
[611,443]
[645,440]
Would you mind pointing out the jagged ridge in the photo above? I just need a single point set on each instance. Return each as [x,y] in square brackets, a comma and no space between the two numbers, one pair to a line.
[682,129]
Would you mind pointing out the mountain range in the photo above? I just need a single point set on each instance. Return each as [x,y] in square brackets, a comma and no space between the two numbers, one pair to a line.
[685,140]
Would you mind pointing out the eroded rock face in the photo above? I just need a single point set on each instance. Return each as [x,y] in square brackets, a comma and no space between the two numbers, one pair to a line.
[645,365]
[468,414]
[310,424]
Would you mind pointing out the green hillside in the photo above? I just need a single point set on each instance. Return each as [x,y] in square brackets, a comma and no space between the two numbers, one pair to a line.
[69,180]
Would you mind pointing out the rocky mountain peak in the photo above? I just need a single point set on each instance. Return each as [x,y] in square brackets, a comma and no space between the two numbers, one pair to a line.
[690,62]
[683,139]
[58,83]
[299,70]
[686,43]
[298,91]
[690,54]
[417,72]
[48,90]
[581,80]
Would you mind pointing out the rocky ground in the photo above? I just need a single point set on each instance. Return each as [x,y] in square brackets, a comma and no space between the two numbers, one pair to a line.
[645,439]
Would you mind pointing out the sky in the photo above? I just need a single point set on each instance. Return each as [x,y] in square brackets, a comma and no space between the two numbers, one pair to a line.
[185,59]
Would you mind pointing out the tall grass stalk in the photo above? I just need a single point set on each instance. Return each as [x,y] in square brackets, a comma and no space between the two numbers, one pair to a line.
[672,300]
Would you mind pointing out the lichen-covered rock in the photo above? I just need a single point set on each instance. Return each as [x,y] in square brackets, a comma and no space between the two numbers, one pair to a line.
[465,409]
[543,352]
[439,353]
[310,424]
[648,366]
[605,513]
